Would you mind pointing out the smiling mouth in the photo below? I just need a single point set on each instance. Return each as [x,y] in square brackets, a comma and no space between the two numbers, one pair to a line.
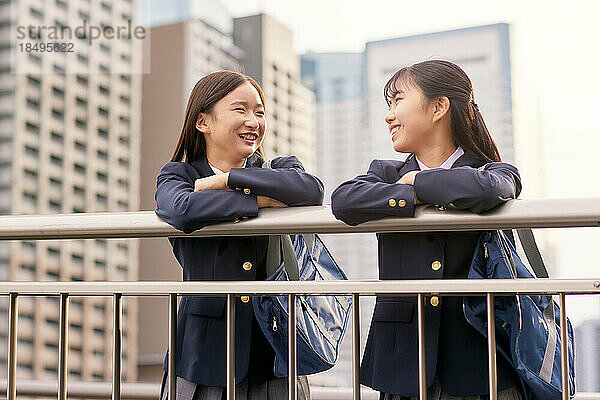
[395,130]
[248,136]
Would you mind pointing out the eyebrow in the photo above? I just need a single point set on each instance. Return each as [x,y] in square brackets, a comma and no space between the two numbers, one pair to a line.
[244,103]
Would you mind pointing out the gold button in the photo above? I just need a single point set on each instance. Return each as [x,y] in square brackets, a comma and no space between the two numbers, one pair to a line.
[245,299]
[436,265]
[247,266]
[434,301]
[392,202]
[401,203]
[246,191]
[441,208]
[235,221]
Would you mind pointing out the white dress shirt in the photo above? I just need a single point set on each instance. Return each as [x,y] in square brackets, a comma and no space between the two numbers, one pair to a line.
[446,164]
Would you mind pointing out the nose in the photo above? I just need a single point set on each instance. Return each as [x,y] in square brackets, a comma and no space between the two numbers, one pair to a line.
[252,121]
[389,116]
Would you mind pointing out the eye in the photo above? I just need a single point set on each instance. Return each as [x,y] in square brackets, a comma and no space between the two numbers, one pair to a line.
[239,109]
[261,113]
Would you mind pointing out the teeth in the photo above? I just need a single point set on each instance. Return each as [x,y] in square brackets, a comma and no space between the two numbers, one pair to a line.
[396,129]
[248,136]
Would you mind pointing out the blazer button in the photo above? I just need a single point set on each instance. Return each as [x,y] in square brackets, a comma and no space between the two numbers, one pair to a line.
[434,301]
[401,203]
[245,299]
[246,191]
[392,202]
[247,266]
[436,265]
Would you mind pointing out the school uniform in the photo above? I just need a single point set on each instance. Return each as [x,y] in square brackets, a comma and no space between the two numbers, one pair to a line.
[201,322]
[456,354]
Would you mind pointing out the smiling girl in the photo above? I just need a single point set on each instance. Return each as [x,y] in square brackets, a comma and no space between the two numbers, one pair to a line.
[454,162]
[215,175]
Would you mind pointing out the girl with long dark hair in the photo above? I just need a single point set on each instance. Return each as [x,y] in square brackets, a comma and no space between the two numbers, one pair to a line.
[215,175]
[453,162]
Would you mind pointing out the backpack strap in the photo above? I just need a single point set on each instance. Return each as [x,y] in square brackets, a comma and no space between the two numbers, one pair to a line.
[532,252]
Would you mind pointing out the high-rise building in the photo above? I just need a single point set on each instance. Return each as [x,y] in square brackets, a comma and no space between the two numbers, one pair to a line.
[69,143]
[587,360]
[483,52]
[270,59]
[192,42]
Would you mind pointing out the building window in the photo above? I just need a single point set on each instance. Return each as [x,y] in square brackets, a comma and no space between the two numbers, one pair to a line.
[58,114]
[104,90]
[102,132]
[124,99]
[61,4]
[58,69]
[57,137]
[32,151]
[36,13]
[77,258]
[79,168]
[103,111]
[83,59]
[35,82]
[30,197]
[58,92]
[78,191]
[33,128]
[30,173]
[102,177]
[80,101]
[56,160]
[79,146]
[103,155]
[34,58]
[55,183]
[104,69]
[101,198]
[123,162]
[80,123]
[55,205]
[82,80]
[105,48]
[33,104]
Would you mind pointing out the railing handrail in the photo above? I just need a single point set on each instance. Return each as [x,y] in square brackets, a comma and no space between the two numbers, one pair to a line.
[533,213]
[363,288]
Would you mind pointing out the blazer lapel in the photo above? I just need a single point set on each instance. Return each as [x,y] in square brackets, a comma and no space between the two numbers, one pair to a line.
[203,168]
[410,165]
[468,160]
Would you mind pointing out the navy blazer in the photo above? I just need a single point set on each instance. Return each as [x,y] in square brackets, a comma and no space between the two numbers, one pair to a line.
[201,323]
[455,352]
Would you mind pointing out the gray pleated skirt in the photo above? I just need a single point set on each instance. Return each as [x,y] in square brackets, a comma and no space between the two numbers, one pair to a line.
[435,392]
[275,389]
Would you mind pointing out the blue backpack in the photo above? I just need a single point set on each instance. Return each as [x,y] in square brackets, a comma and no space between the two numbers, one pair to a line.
[527,326]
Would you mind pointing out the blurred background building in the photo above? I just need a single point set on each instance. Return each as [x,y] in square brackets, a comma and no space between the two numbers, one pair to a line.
[587,356]
[69,143]
[271,60]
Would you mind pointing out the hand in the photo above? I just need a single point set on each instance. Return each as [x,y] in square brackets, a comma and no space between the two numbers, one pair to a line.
[213,182]
[267,202]
[408,178]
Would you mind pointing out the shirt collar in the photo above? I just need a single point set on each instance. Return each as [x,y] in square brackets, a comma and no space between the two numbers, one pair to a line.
[217,171]
[446,164]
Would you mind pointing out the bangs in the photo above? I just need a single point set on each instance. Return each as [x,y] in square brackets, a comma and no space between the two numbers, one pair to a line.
[402,77]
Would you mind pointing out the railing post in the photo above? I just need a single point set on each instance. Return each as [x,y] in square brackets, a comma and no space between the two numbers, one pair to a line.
[564,348]
[422,355]
[172,373]
[230,347]
[117,335]
[292,370]
[355,346]
[63,347]
[491,322]
[13,319]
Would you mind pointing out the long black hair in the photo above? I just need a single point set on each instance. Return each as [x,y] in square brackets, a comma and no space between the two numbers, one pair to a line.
[439,78]
[207,91]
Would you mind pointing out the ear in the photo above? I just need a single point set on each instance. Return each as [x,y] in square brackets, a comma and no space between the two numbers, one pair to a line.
[202,123]
[441,108]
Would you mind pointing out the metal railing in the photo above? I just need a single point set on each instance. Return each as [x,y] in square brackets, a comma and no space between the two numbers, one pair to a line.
[515,214]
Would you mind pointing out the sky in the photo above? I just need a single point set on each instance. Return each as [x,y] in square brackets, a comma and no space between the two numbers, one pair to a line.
[556,91]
